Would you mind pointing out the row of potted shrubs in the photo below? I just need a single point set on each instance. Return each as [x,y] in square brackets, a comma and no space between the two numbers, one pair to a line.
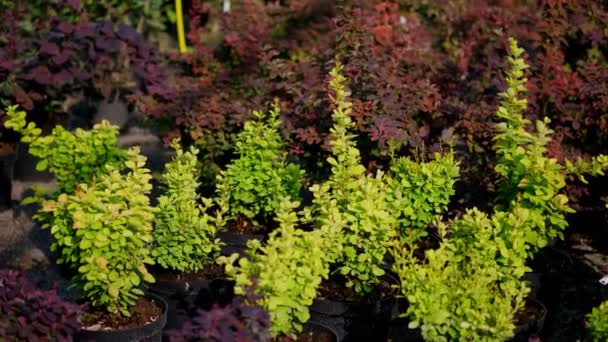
[363,236]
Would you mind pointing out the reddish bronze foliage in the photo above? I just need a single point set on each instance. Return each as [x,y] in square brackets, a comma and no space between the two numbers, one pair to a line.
[420,74]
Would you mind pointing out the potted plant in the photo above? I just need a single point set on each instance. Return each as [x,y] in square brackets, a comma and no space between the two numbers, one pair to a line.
[185,244]
[256,180]
[360,291]
[104,230]
[420,191]
[286,271]
[597,323]
[72,157]
[469,288]
[488,255]
[29,314]
[241,320]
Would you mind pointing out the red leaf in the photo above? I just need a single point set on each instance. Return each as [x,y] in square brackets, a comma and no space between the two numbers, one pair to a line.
[65,27]
[383,34]
[22,98]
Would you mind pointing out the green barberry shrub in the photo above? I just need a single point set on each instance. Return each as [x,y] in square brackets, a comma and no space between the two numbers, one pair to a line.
[184,234]
[419,192]
[104,229]
[288,269]
[72,158]
[261,175]
[361,199]
[527,176]
[469,289]
[597,323]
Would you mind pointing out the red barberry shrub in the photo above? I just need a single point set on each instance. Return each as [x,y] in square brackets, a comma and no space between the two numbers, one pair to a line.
[421,73]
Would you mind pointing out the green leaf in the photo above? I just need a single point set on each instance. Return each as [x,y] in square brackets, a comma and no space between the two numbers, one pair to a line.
[84,244]
[42,165]
[134,279]
[113,291]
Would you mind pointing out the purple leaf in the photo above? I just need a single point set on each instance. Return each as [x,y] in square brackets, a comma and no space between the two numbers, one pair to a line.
[41,75]
[84,30]
[49,48]
[65,27]
[74,4]
[61,58]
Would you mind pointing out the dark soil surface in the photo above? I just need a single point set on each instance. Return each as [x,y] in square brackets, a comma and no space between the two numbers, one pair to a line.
[315,334]
[142,313]
[335,289]
[425,244]
[209,272]
[532,311]
[243,225]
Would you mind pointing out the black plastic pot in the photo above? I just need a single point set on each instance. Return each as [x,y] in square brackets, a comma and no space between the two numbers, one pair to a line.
[357,321]
[25,166]
[236,242]
[184,297]
[399,331]
[151,332]
[7,166]
[321,332]
[179,296]
[533,280]
[532,327]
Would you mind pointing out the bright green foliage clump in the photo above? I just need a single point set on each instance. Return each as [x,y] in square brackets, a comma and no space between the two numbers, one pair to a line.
[72,157]
[469,289]
[184,234]
[419,192]
[287,269]
[360,198]
[528,177]
[261,175]
[104,229]
[597,323]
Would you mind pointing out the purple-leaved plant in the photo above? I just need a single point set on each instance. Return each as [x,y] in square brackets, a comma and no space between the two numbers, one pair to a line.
[240,321]
[29,314]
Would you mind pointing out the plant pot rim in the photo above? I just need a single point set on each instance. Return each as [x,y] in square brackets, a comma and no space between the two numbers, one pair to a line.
[391,295]
[167,287]
[231,234]
[521,327]
[160,322]
[324,326]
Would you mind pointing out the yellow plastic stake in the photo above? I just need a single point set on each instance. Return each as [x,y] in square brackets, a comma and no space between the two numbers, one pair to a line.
[181,36]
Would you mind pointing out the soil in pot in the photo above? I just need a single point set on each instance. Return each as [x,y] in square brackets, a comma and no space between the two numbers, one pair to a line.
[210,271]
[316,333]
[312,332]
[353,317]
[529,320]
[146,323]
[336,290]
[142,313]
[181,291]
[239,232]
